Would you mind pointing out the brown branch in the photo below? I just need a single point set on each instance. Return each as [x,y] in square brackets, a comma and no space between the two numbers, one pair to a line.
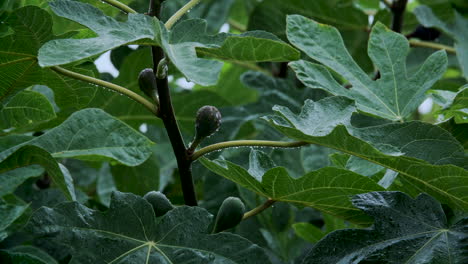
[170,123]
[398,10]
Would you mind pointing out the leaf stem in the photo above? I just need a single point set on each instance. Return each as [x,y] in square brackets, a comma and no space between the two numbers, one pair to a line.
[387,3]
[237,26]
[122,90]
[432,45]
[259,209]
[120,6]
[245,143]
[174,18]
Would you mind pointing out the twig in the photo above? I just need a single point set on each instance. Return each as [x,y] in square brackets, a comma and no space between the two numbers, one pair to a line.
[246,143]
[120,6]
[122,90]
[398,9]
[170,123]
[259,209]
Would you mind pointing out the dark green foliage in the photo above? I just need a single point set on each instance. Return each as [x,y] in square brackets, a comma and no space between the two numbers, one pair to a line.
[347,163]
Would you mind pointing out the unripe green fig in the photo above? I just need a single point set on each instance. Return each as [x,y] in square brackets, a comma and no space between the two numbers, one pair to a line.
[229,215]
[207,122]
[159,201]
[147,82]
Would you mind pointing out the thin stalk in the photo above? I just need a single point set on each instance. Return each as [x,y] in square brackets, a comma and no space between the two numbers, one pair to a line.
[170,123]
[120,6]
[432,45]
[246,143]
[174,18]
[259,209]
[122,90]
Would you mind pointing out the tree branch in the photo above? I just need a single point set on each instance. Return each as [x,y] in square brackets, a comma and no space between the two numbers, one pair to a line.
[122,90]
[246,143]
[398,9]
[170,122]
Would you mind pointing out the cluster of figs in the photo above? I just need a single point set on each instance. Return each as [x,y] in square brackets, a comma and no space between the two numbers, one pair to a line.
[207,122]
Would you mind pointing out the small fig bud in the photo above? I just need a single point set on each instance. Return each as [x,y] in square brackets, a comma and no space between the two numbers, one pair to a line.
[229,215]
[207,122]
[147,82]
[161,205]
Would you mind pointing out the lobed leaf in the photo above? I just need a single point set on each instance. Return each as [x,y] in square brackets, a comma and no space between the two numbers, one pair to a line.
[327,189]
[92,134]
[130,232]
[26,109]
[405,230]
[111,33]
[19,68]
[394,146]
[394,96]
[456,29]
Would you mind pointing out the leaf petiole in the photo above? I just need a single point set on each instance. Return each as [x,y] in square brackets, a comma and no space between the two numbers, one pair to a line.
[246,143]
[174,18]
[259,209]
[122,90]
[432,45]
[120,6]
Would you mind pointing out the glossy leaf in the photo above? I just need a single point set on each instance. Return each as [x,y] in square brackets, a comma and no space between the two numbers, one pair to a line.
[327,189]
[456,29]
[394,146]
[111,33]
[130,232]
[353,23]
[14,178]
[405,230]
[252,46]
[19,69]
[456,106]
[394,96]
[24,156]
[189,36]
[26,109]
[9,213]
[92,134]
[26,255]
